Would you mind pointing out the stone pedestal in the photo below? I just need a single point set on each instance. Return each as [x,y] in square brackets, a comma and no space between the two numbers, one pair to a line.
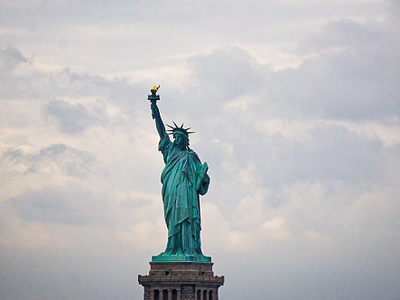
[180,281]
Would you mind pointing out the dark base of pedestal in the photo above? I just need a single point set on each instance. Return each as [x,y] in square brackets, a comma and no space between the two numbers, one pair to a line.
[181,281]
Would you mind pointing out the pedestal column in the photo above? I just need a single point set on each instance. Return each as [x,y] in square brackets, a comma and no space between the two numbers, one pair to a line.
[151,294]
[170,294]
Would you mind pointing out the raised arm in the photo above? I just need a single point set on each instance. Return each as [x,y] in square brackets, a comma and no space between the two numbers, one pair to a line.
[157,117]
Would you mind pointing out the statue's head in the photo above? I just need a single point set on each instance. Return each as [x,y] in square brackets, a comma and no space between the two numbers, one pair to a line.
[180,134]
[181,139]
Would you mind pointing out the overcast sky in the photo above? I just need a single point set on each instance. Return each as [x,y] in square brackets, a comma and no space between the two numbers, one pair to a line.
[296,109]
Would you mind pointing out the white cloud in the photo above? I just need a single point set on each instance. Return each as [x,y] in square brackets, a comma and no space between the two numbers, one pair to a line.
[147,236]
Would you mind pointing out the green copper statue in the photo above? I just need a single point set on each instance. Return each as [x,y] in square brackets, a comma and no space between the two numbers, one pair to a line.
[184,178]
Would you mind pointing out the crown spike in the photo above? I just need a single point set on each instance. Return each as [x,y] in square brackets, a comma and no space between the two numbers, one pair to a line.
[178,129]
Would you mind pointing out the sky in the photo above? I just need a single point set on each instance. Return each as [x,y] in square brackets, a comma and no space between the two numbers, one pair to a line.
[296,109]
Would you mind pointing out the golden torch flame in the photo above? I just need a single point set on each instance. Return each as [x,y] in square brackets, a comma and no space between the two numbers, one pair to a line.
[154,89]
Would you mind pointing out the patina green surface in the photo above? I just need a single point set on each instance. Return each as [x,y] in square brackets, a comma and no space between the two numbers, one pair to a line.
[183,179]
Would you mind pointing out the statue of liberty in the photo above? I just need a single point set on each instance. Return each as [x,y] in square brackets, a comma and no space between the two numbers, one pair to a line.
[183,179]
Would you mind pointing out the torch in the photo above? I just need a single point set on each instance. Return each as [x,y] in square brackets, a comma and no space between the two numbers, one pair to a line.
[154,97]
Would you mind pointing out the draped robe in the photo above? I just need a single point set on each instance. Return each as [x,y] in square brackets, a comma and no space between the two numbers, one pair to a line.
[180,192]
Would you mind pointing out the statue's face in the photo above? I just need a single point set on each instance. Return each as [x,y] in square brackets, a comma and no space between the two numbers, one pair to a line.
[180,139]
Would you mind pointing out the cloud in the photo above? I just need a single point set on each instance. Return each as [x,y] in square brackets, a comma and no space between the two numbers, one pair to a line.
[354,76]
[139,234]
[70,161]
[10,58]
[71,205]
[74,118]
[226,73]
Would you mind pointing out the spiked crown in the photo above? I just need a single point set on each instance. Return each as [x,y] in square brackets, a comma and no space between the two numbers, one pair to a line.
[179,129]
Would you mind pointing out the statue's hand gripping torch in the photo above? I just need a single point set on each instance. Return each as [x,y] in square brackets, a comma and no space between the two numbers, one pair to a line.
[153,98]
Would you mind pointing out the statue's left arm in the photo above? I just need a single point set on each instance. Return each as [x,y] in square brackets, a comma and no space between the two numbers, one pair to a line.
[203,181]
